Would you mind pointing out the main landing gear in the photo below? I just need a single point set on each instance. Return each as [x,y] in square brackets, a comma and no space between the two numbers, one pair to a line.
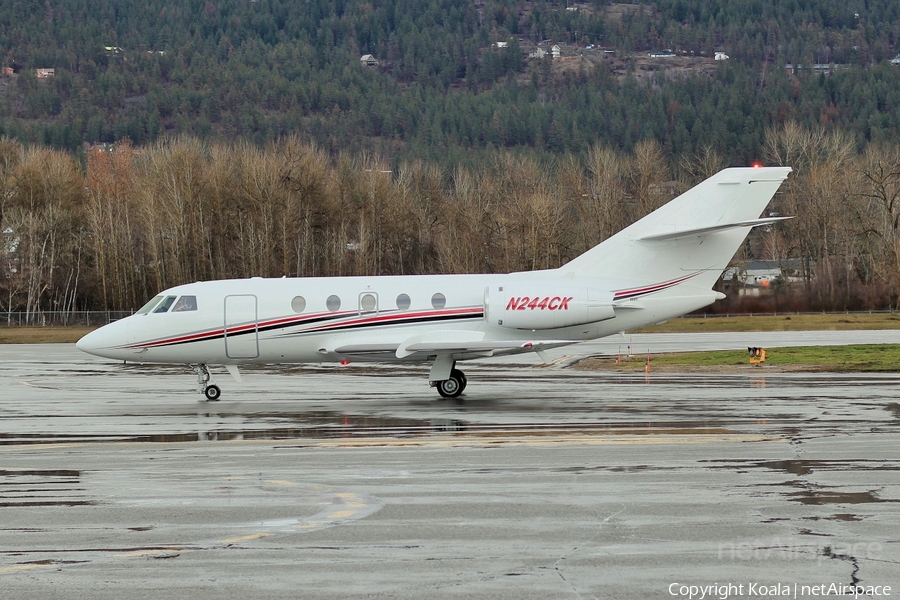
[205,387]
[452,387]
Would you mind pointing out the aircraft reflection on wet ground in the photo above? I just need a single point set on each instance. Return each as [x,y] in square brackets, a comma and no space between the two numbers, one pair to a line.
[93,401]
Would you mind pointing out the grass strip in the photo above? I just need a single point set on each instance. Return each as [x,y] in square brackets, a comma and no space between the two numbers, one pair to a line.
[860,358]
[803,322]
[42,335]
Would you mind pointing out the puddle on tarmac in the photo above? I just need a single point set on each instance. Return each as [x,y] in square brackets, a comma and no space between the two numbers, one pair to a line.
[819,496]
[40,473]
[894,408]
[24,488]
[225,426]
[838,517]
[795,467]
[805,467]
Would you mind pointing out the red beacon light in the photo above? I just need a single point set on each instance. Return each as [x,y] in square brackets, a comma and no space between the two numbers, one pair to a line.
[757,165]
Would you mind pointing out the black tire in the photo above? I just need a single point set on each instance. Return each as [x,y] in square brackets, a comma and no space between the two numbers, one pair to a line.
[212,393]
[450,388]
[462,379]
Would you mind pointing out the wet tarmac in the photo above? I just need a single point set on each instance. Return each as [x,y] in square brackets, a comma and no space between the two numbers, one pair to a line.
[541,482]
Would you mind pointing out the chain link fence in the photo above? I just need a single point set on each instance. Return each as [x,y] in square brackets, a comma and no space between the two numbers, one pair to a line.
[86,318]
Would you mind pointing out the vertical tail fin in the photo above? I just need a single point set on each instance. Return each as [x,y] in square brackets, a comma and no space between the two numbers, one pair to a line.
[697,232]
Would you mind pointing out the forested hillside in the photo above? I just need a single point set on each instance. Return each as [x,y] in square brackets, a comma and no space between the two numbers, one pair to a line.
[251,140]
[260,70]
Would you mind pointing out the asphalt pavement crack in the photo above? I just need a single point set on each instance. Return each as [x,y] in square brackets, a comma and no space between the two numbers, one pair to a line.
[829,552]
[557,565]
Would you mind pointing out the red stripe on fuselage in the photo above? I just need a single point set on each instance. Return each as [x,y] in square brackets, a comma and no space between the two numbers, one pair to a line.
[652,288]
[219,332]
[401,316]
[341,321]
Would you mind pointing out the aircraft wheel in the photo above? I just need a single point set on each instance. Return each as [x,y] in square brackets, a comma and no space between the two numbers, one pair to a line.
[462,379]
[451,388]
[212,393]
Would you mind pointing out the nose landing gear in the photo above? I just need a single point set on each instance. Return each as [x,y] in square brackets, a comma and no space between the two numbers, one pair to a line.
[204,383]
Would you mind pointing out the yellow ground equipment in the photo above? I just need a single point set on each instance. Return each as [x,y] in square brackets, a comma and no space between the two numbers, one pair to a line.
[757,356]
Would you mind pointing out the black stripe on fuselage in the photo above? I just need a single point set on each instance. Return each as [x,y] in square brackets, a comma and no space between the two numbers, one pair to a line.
[323,319]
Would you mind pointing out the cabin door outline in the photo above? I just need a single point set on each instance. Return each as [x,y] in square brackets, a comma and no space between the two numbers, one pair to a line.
[241,329]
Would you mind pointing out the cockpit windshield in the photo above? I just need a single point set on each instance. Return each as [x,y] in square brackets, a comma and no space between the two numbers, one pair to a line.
[149,306]
[165,304]
[161,304]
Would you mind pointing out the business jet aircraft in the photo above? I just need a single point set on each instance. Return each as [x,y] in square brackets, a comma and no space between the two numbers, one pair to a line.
[660,267]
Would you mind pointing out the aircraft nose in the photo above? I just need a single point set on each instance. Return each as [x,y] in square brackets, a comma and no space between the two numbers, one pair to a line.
[105,341]
[90,343]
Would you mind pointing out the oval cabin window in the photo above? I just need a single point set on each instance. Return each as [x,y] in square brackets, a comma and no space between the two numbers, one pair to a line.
[333,303]
[298,304]
[368,302]
[438,300]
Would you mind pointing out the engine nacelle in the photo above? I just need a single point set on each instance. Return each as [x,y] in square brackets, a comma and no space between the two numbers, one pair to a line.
[545,306]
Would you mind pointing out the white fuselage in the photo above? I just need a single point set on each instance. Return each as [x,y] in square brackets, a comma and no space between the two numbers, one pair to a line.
[290,320]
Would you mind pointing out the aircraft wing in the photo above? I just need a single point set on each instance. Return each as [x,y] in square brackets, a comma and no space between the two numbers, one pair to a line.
[450,343]
[485,346]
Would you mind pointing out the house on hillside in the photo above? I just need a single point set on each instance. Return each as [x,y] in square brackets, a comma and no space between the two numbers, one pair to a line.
[896,60]
[827,69]
[555,51]
[367,60]
[721,56]
[755,276]
[501,44]
[662,54]
[45,73]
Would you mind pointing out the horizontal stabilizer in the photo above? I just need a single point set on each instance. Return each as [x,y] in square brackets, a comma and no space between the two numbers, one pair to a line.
[674,235]
[628,304]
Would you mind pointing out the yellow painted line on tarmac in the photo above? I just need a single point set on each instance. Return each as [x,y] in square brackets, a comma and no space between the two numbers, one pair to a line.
[246,538]
[279,482]
[19,447]
[342,514]
[355,504]
[310,525]
[347,496]
[21,568]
